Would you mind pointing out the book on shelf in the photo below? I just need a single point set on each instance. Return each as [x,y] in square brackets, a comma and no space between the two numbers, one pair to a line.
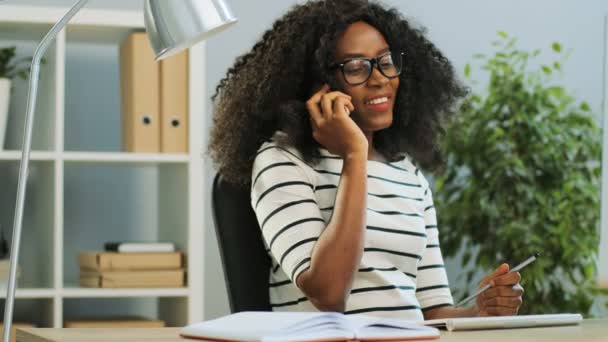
[154,98]
[139,247]
[307,326]
[174,104]
[139,76]
[114,322]
[132,279]
[105,261]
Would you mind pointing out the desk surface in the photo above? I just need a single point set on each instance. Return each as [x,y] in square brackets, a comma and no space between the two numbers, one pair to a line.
[595,330]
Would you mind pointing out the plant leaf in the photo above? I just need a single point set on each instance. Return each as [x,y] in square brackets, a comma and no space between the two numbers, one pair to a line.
[557,47]
[557,66]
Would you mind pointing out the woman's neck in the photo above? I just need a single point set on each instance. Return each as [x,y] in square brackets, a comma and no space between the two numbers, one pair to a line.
[372,153]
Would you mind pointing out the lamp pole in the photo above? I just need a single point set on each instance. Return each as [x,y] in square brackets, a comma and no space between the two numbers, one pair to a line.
[25,161]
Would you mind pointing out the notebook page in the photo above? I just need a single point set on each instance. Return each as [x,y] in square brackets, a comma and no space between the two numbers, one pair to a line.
[329,326]
[374,328]
[323,333]
[389,333]
[245,326]
[318,320]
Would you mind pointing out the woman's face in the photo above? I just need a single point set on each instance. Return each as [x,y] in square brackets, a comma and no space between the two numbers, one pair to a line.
[374,99]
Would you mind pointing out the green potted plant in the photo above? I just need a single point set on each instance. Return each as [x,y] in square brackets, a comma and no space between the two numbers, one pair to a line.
[522,175]
[10,67]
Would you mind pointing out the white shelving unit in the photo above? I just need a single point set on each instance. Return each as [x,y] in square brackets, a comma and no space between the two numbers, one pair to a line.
[83,191]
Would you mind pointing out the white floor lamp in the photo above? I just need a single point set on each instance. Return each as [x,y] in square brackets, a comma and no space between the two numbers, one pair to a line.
[172,26]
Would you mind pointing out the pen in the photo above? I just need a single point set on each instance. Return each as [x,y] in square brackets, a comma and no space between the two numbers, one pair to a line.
[515,269]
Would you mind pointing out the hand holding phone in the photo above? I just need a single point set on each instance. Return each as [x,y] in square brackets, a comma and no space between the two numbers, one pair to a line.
[332,125]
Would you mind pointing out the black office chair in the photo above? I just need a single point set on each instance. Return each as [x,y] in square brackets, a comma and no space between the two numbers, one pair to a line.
[244,259]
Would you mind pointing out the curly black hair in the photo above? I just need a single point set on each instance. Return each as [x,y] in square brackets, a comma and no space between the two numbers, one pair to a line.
[266,89]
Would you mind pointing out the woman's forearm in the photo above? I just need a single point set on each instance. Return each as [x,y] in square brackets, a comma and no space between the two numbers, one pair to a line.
[450,312]
[337,254]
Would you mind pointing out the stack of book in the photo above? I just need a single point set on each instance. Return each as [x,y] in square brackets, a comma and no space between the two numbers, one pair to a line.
[138,266]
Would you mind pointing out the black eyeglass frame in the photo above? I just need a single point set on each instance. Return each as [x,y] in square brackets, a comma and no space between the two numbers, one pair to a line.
[375,61]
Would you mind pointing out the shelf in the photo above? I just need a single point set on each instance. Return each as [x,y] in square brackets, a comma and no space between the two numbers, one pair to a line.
[37,311]
[83,189]
[14,155]
[30,293]
[119,157]
[87,16]
[79,292]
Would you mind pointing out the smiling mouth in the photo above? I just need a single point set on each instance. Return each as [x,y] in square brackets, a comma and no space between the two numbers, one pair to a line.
[377,101]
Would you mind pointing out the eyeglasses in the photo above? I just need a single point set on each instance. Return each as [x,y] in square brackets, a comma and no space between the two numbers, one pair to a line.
[358,70]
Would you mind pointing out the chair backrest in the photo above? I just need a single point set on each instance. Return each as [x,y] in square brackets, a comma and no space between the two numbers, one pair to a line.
[244,259]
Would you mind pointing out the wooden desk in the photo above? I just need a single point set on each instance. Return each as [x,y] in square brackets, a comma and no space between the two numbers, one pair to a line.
[589,331]
[100,334]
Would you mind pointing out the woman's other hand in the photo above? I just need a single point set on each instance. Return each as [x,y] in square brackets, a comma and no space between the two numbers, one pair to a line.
[504,298]
[331,123]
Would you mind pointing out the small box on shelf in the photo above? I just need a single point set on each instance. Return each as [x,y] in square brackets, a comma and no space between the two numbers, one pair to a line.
[131,270]
[113,261]
[132,279]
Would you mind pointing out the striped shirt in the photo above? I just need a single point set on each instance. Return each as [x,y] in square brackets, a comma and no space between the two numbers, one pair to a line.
[401,271]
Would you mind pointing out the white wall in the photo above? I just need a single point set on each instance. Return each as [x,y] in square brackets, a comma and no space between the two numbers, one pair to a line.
[460,28]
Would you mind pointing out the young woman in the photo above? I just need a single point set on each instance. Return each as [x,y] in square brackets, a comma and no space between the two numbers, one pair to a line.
[328,119]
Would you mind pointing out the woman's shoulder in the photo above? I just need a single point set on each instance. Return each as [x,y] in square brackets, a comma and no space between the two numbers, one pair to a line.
[282,162]
[404,162]
[409,165]
[273,151]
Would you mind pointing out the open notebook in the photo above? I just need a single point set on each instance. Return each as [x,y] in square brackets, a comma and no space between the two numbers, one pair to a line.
[504,322]
[306,326]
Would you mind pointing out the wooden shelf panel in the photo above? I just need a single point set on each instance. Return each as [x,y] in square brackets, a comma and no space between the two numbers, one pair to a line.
[34,155]
[80,292]
[120,157]
[30,293]
[28,15]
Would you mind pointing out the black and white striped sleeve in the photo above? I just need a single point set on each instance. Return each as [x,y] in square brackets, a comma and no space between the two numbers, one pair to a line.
[283,199]
[432,288]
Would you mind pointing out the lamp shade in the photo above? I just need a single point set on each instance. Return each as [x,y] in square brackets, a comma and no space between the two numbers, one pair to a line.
[175,25]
